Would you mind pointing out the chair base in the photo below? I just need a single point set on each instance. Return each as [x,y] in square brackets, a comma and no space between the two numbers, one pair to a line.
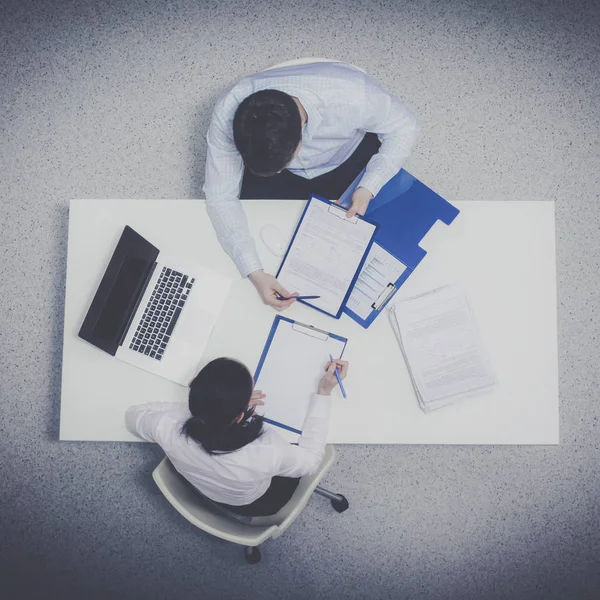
[339,503]
[252,554]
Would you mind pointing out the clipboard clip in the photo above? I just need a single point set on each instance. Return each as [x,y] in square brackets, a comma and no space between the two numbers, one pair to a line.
[311,331]
[387,293]
[340,213]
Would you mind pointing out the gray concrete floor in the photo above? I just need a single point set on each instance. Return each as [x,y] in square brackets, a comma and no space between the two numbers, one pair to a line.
[112,99]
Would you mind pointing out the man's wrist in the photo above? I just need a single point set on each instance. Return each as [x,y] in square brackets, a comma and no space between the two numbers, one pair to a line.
[322,392]
[362,187]
[255,275]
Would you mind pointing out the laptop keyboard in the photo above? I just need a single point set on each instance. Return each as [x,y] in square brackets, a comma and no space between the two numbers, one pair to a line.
[162,311]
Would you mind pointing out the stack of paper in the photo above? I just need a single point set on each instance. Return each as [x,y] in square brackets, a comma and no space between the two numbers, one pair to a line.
[442,347]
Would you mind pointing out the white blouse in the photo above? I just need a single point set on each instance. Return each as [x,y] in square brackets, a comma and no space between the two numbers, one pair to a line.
[242,476]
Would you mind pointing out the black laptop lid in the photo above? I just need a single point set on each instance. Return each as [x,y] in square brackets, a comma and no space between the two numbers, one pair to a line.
[119,292]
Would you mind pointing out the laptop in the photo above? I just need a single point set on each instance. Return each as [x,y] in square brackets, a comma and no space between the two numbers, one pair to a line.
[154,315]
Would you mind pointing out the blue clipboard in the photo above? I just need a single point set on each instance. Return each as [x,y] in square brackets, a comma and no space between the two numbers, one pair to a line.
[406,210]
[308,328]
[312,198]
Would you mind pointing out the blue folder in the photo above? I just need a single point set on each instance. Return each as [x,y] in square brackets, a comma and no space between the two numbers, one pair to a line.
[316,198]
[311,330]
[406,210]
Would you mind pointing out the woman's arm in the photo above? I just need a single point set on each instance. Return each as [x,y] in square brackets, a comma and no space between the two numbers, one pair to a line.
[145,420]
[305,458]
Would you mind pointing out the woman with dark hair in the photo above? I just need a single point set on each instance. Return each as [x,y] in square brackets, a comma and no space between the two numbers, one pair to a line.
[221,447]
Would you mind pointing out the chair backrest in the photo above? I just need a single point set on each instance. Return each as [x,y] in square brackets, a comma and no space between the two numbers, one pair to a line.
[289,513]
[218,521]
[306,61]
[179,493]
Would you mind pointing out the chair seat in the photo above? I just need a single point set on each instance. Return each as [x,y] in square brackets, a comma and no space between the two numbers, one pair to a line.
[301,495]
[226,525]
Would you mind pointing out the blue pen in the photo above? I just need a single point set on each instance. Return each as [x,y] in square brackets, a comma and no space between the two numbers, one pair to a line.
[280,297]
[337,376]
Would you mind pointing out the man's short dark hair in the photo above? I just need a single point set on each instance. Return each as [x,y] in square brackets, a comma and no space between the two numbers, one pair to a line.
[267,130]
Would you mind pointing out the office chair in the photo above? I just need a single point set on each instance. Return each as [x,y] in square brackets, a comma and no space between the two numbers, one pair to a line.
[249,532]
[306,61]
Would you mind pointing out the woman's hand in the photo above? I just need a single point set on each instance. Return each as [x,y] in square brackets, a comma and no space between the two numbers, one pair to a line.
[329,380]
[267,286]
[256,399]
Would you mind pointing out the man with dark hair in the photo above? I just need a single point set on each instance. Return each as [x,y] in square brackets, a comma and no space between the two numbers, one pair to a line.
[267,131]
[295,131]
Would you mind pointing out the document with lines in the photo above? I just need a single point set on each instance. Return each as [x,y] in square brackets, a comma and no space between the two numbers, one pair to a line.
[379,269]
[442,346]
[325,254]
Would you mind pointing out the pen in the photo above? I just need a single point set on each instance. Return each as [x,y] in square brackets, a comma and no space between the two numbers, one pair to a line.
[337,375]
[280,297]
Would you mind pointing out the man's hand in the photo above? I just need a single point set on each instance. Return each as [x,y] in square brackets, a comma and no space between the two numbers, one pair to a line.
[267,286]
[360,202]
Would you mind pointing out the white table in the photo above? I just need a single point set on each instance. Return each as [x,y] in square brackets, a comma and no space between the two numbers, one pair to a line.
[502,253]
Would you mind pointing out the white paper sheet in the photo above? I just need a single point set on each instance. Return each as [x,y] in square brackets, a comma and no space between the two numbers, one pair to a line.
[379,269]
[325,255]
[291,372]
[442,346]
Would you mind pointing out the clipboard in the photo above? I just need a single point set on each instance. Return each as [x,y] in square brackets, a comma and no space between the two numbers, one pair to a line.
[290,367]
[340,212]
[406,210]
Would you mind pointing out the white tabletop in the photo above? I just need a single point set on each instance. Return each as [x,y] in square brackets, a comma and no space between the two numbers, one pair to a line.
[501,253]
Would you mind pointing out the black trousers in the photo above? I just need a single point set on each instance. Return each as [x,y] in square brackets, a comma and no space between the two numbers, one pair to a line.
[274,499]
[332,185]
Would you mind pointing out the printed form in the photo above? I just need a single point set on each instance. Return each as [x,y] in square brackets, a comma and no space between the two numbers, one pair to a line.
[325,255]
[379,270]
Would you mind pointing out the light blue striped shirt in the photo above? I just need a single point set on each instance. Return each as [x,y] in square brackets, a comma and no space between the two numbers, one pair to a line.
[342,104]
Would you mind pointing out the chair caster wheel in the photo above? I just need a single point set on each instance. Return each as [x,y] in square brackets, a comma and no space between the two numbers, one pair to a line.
[340,505]
[252,554]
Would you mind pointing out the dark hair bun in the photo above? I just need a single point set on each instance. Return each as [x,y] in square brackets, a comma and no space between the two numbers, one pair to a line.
[196,427]
[218,395]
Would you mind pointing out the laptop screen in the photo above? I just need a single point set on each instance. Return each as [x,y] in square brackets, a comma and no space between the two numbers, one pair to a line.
[122,298]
